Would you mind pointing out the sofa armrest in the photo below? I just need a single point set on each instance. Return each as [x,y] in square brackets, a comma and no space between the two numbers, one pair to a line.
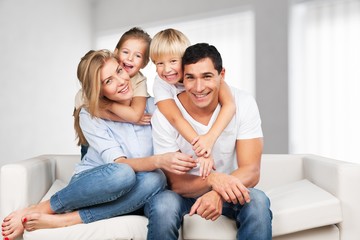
[25,182]
[341,179]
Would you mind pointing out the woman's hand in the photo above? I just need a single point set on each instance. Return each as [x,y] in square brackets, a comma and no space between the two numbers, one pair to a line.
[175,162]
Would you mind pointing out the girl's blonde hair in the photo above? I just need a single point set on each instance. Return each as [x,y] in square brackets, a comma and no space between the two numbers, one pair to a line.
[168,42]
[140,34]
[88,73]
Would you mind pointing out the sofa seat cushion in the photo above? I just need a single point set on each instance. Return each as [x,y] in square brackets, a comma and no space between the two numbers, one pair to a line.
[293,203]
[117,228]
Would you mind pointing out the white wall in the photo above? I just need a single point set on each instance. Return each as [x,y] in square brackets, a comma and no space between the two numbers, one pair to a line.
[271,41]
[41,43]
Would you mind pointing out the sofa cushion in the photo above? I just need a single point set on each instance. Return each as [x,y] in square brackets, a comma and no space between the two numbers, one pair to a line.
[55,187]
[293,203]
[117,228]
[196,228]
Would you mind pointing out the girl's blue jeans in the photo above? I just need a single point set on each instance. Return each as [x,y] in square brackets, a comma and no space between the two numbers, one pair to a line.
[166,210]
[107,191]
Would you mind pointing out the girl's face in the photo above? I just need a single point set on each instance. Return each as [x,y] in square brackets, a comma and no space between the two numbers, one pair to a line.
[169,69]
[132,55]
[115,82]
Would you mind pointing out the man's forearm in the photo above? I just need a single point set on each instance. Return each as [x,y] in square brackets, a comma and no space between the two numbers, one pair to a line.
[187,185]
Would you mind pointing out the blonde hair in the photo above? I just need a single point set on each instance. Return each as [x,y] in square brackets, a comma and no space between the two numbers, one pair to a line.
[136,33]
[168,42]
[88,73]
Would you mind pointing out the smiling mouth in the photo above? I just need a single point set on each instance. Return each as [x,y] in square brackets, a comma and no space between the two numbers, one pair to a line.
[124,90]
[200,96]
[127,66]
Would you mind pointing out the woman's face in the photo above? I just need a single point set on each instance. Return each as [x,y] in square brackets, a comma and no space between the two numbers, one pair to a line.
[115,82]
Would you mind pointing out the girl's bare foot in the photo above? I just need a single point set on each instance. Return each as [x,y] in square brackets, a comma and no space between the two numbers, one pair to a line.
[35,221]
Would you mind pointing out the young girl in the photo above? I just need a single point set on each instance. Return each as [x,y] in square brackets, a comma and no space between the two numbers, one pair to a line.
[166,51]
[133,52]
[116,176]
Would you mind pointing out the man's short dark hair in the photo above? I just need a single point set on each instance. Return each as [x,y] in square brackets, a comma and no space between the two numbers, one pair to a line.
[199,51]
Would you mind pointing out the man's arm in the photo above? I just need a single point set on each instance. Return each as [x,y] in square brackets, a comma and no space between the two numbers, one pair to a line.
[231,187]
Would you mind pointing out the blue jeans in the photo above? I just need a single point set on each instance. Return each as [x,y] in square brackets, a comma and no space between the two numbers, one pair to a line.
[107,191]
[166,210]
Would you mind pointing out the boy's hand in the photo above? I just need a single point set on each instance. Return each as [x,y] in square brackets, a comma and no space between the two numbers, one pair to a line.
[202,145]
[206,165]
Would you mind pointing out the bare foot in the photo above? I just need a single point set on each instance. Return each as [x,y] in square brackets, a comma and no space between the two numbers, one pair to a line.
[12,226]
[35,221]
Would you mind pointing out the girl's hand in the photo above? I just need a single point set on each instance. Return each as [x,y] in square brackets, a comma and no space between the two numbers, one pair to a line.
[145,119]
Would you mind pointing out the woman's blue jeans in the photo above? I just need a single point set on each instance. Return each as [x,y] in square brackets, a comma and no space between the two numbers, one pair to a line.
[107,191]
[166,210]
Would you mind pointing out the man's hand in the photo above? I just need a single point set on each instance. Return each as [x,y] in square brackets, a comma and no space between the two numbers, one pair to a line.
[229,187]
[208,206]
[175,162]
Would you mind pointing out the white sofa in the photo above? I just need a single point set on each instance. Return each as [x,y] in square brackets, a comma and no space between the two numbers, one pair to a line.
[312,197]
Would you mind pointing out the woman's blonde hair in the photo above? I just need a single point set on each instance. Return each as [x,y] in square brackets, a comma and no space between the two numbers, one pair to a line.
[168,42]
[88,73]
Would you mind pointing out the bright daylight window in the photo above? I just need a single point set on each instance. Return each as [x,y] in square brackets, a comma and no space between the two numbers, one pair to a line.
[232,35]
[325,78]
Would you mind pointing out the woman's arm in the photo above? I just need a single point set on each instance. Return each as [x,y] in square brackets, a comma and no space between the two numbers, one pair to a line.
[175,162]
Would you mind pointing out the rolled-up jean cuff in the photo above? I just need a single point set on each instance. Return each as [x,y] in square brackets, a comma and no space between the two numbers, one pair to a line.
[85,216]
[56,205]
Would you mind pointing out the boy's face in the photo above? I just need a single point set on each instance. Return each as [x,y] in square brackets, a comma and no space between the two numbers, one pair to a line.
[202,83]
[131,55]
[169,69]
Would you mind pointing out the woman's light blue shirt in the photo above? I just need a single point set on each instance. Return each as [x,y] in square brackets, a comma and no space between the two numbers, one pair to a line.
[109,140]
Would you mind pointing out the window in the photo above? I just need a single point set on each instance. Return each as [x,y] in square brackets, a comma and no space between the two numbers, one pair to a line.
[232,35]
[324,87]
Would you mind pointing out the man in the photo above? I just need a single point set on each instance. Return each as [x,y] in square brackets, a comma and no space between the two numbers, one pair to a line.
[237,153]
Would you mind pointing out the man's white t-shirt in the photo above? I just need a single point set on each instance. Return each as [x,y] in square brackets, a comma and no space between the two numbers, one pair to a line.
[246,124]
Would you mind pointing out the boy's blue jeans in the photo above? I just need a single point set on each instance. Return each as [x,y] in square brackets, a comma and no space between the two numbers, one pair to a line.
[107,191]
[166,210]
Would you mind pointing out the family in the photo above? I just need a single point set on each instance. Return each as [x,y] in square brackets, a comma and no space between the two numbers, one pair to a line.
[193,148]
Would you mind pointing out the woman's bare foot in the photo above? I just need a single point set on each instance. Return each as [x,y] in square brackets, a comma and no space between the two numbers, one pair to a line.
[35,221]
[12,226]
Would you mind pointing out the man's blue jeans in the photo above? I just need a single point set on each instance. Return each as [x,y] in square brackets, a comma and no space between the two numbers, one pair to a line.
[107,191]
[166,210]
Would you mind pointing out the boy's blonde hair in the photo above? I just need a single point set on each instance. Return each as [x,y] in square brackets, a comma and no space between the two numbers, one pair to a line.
[139,34]
[168,42]
[88,73]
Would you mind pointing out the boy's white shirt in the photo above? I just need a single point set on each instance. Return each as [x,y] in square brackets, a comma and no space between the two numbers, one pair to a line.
[246,124]
[163,90]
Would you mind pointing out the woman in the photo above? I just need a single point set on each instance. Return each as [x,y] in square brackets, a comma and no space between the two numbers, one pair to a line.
[118,174]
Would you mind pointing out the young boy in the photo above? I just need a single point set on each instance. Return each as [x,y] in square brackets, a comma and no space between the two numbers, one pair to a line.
[166,50]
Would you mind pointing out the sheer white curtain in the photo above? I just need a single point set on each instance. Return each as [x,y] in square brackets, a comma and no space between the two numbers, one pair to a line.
[325,78]
[231,34]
